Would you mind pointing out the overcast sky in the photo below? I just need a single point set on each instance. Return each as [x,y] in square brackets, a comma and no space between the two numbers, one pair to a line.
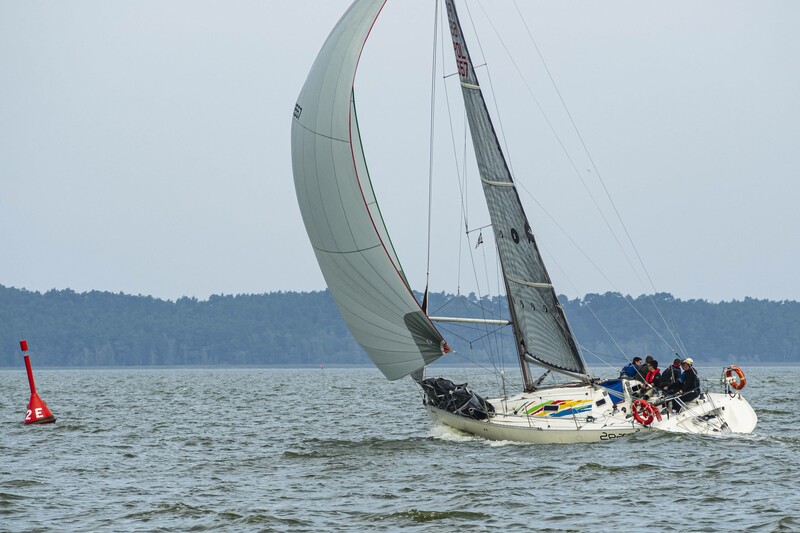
[144,146]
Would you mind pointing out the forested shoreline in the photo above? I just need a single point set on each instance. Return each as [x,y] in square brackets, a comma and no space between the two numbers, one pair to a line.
[66,328]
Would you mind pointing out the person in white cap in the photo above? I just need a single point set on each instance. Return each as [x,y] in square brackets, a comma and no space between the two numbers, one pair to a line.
[688,384]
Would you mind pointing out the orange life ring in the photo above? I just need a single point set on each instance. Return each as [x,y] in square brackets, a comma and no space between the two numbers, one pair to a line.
[643,412]
[739,381]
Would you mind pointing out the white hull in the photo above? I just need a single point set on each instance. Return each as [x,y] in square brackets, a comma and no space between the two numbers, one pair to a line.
[566,415]
[501,428]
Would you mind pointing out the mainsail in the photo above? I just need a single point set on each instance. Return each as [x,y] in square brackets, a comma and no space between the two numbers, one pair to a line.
[540,325]
[341,213]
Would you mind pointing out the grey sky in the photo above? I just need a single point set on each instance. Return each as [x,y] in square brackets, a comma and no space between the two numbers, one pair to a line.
[144,146]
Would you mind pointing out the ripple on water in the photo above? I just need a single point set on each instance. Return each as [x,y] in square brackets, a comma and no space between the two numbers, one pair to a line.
[418,515]
[366,462]
[596,467]
[8,499]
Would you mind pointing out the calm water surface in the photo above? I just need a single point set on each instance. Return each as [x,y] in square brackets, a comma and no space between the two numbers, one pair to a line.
[346,450]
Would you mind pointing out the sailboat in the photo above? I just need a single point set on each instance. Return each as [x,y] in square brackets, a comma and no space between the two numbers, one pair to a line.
[365,278]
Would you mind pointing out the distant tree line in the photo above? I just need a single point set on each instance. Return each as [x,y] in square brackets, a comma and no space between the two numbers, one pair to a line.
[66,328]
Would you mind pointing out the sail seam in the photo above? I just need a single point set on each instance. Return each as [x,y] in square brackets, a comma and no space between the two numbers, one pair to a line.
[357,251]
[321,134]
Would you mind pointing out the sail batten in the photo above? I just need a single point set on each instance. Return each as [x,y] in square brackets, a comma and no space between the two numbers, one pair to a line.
[536,284]
[497,183]
[341,214]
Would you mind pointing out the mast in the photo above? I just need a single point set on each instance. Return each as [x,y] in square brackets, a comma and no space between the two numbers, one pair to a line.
[541,330]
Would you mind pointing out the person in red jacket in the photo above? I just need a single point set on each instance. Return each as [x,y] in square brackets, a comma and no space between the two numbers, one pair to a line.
[653,373]
[651,377]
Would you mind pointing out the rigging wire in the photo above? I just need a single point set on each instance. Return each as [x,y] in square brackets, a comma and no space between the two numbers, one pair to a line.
[461,182]
[495,100]
[464,192]
[596,267]
[598,356]
[488,286]
[680,341]
[558,138]
[498,116]
[471,341]
[498,119]
[589,307]
[476,363]
[599,176]
[430,148]
[498,311]
[462,185]
[580,177]
[548,122]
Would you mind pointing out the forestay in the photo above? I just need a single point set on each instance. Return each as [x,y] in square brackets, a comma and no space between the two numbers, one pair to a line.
[540,323]
[341,213]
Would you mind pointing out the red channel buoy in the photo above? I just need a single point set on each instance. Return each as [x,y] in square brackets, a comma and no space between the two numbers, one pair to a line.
[37,413]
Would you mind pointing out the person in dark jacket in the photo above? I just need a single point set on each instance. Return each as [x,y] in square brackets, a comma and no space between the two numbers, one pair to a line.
[670,375]
[632,369]
[644,369]
[688,384]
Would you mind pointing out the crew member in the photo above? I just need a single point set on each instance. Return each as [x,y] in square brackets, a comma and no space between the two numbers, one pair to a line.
[688,384]
[632,369]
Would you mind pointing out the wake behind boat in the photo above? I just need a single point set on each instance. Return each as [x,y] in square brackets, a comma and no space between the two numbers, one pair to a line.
[365,277]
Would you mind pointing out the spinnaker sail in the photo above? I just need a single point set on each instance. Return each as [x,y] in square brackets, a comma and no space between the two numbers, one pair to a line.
[341,213]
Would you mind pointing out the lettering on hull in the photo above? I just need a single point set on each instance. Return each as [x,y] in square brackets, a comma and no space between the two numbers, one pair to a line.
[611,436]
